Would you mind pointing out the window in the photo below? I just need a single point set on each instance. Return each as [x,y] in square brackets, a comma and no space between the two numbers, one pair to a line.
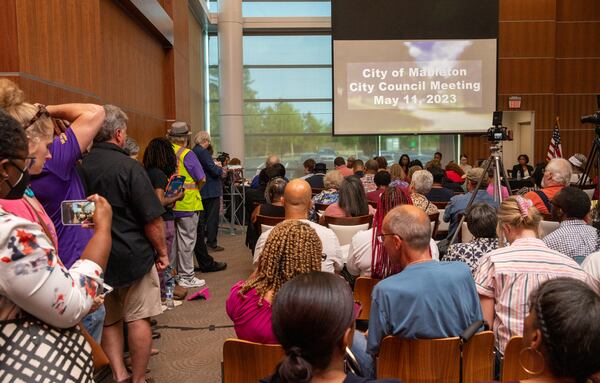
[288,107]
[286,8]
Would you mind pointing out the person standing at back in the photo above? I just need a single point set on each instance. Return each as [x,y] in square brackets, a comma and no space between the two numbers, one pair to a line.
[138,245]
[211,194]
[186,211]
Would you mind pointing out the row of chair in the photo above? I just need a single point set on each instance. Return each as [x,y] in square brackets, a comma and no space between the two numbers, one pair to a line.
[446,360]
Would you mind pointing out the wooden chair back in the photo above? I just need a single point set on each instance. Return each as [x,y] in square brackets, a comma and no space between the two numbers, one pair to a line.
[363,286]
[435,223]
[264,222]
[349,221]
[245,361]
[420,360]
[478,358]
[511,367]
[373,204]
[440,205]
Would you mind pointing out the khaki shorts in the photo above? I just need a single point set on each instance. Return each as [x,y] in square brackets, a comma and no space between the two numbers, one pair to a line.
[138,301]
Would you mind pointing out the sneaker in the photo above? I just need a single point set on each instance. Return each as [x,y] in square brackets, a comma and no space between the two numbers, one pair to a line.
[215,248]
[193,282]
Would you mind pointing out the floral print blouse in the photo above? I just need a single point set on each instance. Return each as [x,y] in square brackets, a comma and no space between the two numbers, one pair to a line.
[34,280]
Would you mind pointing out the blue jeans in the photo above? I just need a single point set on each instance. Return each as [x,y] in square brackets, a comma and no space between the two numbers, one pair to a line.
[364,359]
[94,322]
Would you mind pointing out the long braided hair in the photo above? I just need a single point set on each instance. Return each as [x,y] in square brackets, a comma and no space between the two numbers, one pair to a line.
[292,248]
[389,199]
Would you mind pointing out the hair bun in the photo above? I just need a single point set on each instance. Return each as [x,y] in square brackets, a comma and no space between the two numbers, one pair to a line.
[10,94]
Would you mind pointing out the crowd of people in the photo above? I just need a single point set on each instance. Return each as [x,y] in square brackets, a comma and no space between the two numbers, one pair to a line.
[114,275]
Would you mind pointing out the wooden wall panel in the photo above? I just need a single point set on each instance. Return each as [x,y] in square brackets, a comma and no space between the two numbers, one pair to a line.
[196,70]
[59,41]
[44,93]
[578,39]
[511,10]
[572,107]
[578,10]
[527,39]
[9,59]
[525,76]
[131,64]
[578,76]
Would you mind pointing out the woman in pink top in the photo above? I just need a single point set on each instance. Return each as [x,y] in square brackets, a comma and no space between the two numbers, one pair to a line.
[39,130]
[352,201]
[292,248]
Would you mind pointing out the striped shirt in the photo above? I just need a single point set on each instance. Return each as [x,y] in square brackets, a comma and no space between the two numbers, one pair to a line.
[510,273]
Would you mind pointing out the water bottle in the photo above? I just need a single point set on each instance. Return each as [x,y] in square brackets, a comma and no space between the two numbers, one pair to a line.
[169,296]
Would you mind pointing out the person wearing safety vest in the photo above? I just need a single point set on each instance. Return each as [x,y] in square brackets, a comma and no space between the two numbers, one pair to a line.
[187,210]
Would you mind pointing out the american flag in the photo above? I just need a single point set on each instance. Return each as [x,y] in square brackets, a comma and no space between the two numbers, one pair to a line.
[555,148]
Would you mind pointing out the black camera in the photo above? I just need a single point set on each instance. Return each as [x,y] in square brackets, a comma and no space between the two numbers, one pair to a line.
[498,132]
[591,119]
[222,158]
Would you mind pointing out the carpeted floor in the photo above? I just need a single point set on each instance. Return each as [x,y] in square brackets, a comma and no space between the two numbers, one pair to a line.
[192,334]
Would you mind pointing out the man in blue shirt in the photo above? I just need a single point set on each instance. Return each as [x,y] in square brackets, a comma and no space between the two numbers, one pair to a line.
[427,299]
[211,199]
[459,203]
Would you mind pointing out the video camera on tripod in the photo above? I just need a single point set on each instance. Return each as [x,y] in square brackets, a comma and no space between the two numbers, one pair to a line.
[498,132]
[591,119]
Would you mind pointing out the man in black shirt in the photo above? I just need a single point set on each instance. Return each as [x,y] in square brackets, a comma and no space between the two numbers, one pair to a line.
[438,192]
[138,244]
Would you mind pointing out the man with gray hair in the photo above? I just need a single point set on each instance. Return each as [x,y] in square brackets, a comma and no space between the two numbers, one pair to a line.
[211,194]
[187,210]
[557,175]
[138,245]
[442,292]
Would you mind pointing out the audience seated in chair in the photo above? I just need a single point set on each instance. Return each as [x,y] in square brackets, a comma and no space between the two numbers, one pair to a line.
[316,180]
[438,192]
[481,221]
[459,203]
[505,277]
[574,237]
[352,201]
[360,253]
[309,168]
[442,292]
[270,161]
[368,181]
[358,168]
[420,185]
[340,166]
[557,175]
[292,248]
[399,176]
[561,348]
[274,200]
[382,180]
[333,181]
[313,319]
[297,201]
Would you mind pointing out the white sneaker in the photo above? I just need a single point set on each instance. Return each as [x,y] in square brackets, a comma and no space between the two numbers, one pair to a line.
[190,283]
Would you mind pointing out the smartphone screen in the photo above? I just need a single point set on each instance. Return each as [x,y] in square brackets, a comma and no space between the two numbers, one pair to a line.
[77,212]
[175,185]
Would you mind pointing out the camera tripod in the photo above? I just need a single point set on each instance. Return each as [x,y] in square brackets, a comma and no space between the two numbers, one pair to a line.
[495,160]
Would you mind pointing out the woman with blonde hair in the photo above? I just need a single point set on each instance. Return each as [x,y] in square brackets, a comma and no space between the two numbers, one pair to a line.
[399,176]
[292,248]
[519,268]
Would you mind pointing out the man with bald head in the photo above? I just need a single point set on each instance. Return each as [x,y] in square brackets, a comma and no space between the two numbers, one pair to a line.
[297,200]
[271,160]
[427,299]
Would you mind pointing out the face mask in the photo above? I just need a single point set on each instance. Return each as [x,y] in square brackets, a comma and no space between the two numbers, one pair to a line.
[18,189]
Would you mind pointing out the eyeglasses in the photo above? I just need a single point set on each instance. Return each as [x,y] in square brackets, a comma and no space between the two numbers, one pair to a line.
[381,237]
[40,113]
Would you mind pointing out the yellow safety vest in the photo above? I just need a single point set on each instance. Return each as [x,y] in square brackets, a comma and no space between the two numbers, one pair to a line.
[192,200]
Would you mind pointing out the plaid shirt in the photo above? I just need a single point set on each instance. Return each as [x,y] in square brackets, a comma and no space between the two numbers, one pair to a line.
[574,238]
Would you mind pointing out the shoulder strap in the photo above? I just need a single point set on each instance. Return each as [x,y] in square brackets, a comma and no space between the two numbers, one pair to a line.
[544,199]
[41,222]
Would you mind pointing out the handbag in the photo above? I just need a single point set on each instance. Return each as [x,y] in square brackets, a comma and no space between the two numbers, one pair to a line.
[33,351]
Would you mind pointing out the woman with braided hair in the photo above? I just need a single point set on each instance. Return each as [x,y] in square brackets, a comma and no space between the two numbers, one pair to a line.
[562,332]
[366,256]
[506,276]
[292,248]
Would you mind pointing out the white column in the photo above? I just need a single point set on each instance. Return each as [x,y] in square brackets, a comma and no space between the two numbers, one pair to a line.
[231,77]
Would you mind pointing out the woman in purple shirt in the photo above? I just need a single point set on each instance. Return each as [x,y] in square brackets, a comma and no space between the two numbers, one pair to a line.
[292,248]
